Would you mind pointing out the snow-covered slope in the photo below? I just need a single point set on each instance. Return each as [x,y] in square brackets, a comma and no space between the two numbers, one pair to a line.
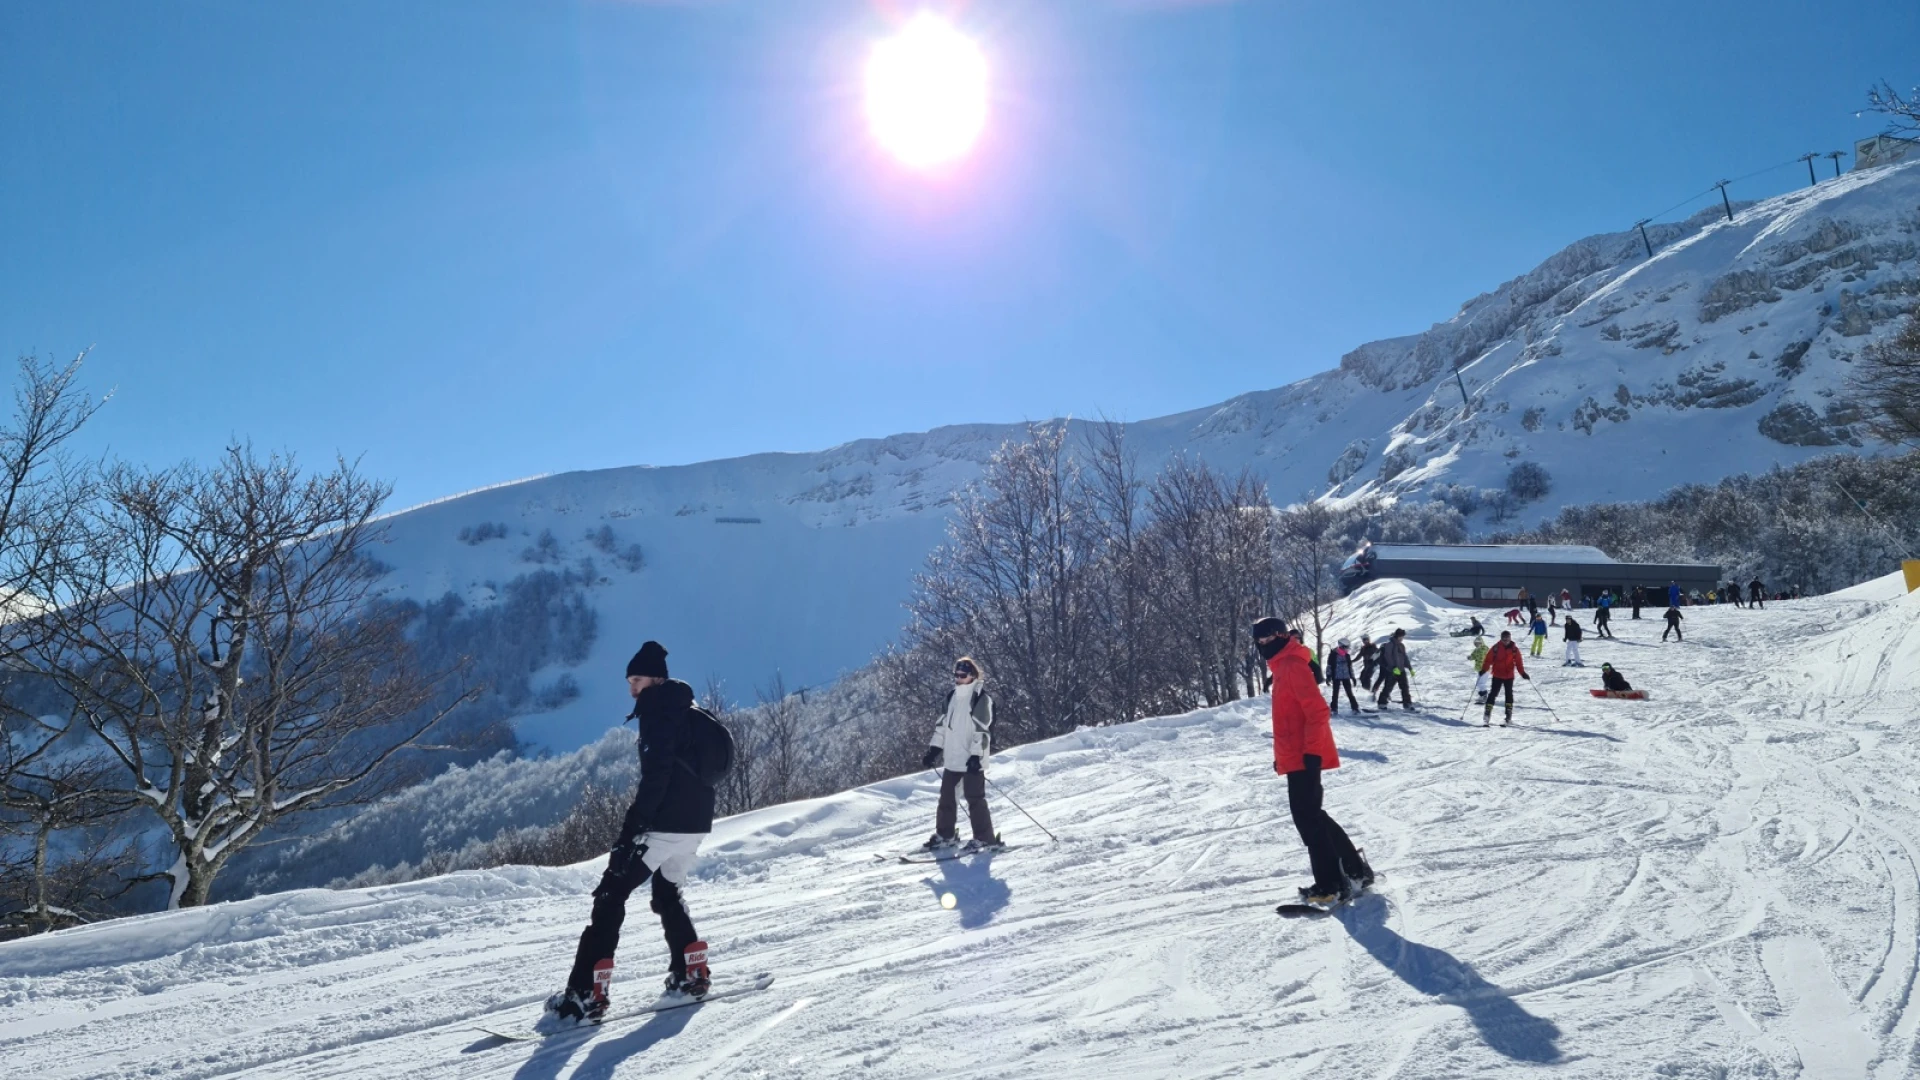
[1721,881]
[1727,351]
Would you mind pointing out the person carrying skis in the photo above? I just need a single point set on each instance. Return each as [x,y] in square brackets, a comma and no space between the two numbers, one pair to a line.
[1539,630]
[1639,599]
[1476,657]
[1340,677]
[1302,748]
[1573,633]
[1369,659]
[963,735]
[1603,617]
[1673,625]
[1502,662]
[1612,680]
[671,813]
[1395,669]
[1756,595]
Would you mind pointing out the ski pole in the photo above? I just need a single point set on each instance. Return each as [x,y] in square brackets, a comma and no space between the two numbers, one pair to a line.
[1022,809]
[1548,704]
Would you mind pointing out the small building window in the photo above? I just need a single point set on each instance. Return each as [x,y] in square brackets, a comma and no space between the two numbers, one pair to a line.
[1497,593]
[1454,592]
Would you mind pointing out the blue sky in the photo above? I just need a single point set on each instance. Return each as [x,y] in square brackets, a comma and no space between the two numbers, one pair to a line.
[478,241]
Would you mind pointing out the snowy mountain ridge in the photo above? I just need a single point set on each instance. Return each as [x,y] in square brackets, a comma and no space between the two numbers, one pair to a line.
[1728,351]
[1719,881]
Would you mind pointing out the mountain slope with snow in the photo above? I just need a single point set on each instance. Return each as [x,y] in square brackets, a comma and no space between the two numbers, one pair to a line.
[1727,351]
[1721,881]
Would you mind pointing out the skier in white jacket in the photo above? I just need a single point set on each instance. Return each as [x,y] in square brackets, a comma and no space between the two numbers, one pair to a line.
[963,735]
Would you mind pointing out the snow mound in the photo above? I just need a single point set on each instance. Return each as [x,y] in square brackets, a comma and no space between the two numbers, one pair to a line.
[1381,606]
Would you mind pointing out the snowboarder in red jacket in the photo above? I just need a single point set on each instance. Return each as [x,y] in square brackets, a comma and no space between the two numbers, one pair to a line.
[1302,746]
[1503,662]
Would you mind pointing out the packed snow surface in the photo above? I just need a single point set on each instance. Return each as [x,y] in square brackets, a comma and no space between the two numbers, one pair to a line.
[1721,881]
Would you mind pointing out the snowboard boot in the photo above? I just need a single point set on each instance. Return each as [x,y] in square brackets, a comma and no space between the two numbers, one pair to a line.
[1320,896]
[697,979]
[1362,881]
[570,1007]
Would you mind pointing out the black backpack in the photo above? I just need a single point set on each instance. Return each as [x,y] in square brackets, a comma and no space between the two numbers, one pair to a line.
[706,750]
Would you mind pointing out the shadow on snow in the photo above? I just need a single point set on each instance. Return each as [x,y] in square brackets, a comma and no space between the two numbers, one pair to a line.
[977,894]
[1502,1022]
[550,1059]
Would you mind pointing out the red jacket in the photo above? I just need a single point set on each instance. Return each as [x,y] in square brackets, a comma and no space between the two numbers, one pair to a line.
[1503,660]
[1299,713]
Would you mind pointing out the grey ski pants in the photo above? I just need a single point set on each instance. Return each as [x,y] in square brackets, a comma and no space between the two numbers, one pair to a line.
[975,786]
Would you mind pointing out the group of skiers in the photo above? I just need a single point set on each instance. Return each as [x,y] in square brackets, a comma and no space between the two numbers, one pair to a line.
[672,809]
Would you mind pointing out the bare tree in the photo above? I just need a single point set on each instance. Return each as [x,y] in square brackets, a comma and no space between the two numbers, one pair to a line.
[1903,110]
[42,496]
[1212,549]
[1014,586]
[778,722]
[1115,493]
[74,797]
[1887,382]
[736,794]
[215,635]
[1311,547]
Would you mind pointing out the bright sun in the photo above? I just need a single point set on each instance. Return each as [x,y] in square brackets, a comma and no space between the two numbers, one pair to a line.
[926,93]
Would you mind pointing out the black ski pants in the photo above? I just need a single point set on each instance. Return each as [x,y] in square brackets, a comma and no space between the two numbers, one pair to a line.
[1603,623]
[602,935]
[1388,680]
[1329,851]
[1674,629]
[945,815]
[1498,686]
[1636,611]
[1366,676]
[1333,699]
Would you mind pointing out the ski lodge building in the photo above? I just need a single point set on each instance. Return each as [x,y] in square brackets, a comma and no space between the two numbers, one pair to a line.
[1492,575]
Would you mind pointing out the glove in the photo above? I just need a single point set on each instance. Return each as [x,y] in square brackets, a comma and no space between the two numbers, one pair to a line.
[973,763]
[1526,676]
[932,755]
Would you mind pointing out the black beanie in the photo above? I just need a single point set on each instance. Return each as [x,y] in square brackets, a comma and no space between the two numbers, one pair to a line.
[651,660]
[1267,626]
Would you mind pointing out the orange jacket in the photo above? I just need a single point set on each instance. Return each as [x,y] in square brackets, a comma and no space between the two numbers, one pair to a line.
[1300,724]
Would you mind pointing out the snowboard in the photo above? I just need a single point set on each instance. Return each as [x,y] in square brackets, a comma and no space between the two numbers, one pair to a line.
[949,856]
[665,1004]
[1301,909]
[1625,695]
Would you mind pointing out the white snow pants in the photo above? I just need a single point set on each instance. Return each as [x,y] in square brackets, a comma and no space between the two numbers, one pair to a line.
[670,854]
[1573,652]
[1483,683]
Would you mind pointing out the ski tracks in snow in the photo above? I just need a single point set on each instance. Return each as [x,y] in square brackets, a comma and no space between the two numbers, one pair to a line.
[1724,880]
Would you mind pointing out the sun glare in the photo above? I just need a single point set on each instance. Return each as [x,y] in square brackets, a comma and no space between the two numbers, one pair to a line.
[927,93]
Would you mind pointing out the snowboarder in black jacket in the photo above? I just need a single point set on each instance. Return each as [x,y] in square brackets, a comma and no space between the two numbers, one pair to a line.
[1613,681]
[1756,594]
[672,812]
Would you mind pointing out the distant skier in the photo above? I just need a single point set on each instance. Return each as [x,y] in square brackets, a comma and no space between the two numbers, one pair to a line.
[1756,595]
[1340,677]
[1302,747]
[964,736]
[1369,660]
[1502,662]
[1673,594]
[1394,671]
[1673,625]
[1513,617]
[1613,680]
[1603,617]
[1572,632]
[1475,658]
[1566,599]
[1639,599]
[672,812]
[1539,629]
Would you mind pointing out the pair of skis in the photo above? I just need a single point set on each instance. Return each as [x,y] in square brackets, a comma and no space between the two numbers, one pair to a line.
[923,856]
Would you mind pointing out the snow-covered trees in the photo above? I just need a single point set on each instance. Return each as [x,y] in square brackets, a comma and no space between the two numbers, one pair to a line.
[1527,481]
[1887,382]
[213,633]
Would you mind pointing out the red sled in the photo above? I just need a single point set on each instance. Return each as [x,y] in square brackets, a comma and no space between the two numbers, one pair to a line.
[1630,695]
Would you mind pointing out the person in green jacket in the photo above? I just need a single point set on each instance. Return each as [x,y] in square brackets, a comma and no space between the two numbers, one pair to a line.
[1482,680]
